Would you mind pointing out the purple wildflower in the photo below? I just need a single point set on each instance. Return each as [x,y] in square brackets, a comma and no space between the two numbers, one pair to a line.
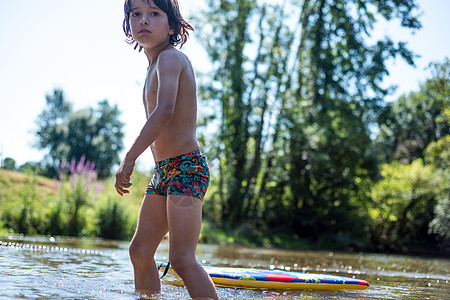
[80,178]
[72,166]
[81,164]
[55,183]
[98,187]
[74,180]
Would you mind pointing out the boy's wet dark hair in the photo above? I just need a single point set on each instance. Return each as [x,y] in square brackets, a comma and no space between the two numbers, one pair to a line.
[176,22]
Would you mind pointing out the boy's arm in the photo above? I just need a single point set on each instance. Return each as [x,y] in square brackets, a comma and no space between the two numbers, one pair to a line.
[168,70]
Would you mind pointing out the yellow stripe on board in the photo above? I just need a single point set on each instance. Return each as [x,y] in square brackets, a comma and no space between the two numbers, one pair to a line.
[259,284]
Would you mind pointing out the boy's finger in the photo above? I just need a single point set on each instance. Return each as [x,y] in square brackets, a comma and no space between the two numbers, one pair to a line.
[122,188]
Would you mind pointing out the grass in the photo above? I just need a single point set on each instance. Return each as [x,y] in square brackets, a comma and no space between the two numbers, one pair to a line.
[11,182]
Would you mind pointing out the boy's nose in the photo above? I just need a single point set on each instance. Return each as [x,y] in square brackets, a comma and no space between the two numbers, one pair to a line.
[144,21]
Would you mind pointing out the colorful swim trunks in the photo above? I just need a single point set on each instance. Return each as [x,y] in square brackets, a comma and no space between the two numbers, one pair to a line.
[187,174]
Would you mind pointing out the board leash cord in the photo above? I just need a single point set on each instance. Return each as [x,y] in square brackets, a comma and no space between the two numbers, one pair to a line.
[167,267]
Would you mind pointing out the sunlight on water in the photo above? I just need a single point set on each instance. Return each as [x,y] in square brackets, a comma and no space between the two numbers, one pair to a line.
[79,268]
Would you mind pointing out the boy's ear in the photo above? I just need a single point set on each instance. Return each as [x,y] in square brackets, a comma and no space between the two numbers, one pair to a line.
[171,31]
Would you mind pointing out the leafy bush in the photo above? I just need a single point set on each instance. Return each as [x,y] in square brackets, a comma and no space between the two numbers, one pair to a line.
[410,207]
[403,203]
[113,220]
[77,187]
[21,214]
[438,155]
[441,222]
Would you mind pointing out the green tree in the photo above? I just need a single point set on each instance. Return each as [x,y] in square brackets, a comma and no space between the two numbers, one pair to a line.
[31,166]
[67,134]
[9,164]
[412,122]
[403,206]
[409,207]
[437,154]
[410,203]
[295,88]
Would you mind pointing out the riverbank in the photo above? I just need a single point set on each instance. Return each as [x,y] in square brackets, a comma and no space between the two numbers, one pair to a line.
[19,190]
[29,204]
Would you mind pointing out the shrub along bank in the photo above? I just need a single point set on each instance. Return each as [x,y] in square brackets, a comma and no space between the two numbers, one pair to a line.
[71,206]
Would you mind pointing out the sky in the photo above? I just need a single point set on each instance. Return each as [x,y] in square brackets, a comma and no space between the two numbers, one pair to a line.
[78,46]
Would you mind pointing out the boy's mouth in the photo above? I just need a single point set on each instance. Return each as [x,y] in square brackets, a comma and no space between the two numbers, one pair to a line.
[144,31]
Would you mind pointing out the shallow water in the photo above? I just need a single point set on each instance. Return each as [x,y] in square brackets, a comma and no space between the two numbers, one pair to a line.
[86,269]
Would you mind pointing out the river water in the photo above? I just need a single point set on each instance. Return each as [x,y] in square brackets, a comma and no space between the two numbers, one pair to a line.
[85,269]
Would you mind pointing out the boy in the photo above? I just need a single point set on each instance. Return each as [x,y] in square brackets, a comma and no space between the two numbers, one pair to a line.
[173,201]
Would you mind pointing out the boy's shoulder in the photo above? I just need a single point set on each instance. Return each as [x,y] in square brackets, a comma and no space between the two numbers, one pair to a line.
[172,56]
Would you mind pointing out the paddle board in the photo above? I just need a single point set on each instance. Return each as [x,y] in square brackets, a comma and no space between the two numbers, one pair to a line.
[277,279]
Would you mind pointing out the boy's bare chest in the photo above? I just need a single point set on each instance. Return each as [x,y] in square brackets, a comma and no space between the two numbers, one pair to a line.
[150,91]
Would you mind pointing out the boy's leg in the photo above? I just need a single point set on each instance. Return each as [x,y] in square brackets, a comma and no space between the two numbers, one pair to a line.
[184,216]
[151,228]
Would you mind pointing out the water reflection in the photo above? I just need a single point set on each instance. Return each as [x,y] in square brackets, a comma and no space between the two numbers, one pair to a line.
[103,271]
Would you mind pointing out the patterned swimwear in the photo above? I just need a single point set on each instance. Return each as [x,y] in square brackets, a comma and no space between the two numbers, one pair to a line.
[187,174]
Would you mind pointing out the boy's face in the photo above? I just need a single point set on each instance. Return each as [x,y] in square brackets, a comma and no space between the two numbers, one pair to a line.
[149,24]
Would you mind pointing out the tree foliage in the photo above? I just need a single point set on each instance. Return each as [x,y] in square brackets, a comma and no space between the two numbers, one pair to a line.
[409,208]
[295,89]
[68,134]
[408,125]
[9,164]
[403,205]
[437,154]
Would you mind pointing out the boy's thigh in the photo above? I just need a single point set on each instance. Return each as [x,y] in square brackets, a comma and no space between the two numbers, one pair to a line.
[189,178]
[184,216]
[152,223]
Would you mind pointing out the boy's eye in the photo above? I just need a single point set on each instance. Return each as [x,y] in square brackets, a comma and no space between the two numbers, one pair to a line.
[135,14]
[155,13]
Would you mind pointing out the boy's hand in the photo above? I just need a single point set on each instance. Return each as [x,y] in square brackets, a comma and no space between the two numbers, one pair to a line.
[123,176]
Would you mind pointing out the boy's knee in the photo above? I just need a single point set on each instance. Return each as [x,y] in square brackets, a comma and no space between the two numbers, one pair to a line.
[181,263]
[133,249]
[138,253]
